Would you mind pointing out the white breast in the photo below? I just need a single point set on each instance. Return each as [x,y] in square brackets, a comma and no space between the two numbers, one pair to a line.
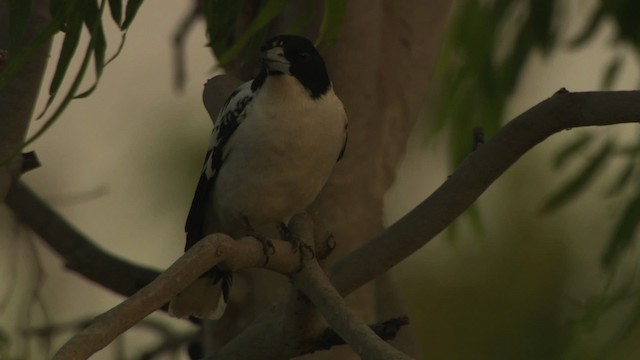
[280,157]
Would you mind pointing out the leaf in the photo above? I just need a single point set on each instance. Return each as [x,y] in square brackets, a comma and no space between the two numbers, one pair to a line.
[5,343]
[221,16]
[303,19]
[69,46]
[68,97]
[130,13]
[269,11]
[571,149]
[611,72]
[115,7]
[622,179]
[580,181]
[119,50]
[542,24]
[65,101]
[18,19]
[590,29]
[56,7]
[623,233]
[93,20]
[332,17]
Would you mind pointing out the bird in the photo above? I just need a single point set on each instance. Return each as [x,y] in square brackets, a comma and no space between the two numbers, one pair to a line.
[273,147]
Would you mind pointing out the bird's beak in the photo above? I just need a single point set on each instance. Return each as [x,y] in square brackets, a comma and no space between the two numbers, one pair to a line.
[274,60]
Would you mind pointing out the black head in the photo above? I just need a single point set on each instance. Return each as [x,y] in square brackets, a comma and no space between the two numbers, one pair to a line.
[295,56]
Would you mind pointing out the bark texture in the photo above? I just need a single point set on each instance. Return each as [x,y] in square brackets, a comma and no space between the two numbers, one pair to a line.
[18,96]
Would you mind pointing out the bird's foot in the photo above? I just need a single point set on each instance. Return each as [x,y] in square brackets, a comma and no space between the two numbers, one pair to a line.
[267,245]
[296,244]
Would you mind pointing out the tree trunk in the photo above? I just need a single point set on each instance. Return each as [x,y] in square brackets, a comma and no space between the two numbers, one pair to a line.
[18,97]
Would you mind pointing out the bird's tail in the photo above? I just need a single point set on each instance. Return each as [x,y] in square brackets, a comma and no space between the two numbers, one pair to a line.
[205,298]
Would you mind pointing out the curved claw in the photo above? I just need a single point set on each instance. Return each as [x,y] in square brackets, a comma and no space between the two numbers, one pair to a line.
[296,244]
[266,243]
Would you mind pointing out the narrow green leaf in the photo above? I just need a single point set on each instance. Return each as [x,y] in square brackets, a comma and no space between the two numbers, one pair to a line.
[5,342]
[18,23]
[119,50]
[590,28]
[115,7]
[68,97]
[304,19]
[93,20]
[91,15]
[611,73]
[580,180]
[334,11]
[221,16]
[543,26]
[476,220]
[70,94]
[69,46]
[571,149]
[622,180]
[130,13]
[56,7]
[623,233]
[63,104]
[269,11]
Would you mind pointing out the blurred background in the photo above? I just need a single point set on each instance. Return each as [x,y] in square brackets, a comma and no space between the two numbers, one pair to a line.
[520,276]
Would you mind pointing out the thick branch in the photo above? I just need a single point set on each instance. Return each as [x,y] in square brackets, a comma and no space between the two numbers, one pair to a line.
[476,173]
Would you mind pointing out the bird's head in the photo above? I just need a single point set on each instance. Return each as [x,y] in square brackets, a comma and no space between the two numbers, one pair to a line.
[296,56]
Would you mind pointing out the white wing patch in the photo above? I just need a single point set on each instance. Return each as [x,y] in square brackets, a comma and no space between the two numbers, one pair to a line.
[230,117]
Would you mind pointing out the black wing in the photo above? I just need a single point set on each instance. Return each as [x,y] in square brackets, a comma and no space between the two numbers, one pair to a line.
[230,117]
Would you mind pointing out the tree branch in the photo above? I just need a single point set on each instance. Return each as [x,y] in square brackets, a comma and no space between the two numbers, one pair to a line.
[187,23]
[231,254]
[313,282]
[208,252]
[562,111]
[79,253]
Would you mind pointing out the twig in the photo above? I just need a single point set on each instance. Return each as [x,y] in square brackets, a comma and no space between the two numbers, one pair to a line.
[179,72]
[30,161]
